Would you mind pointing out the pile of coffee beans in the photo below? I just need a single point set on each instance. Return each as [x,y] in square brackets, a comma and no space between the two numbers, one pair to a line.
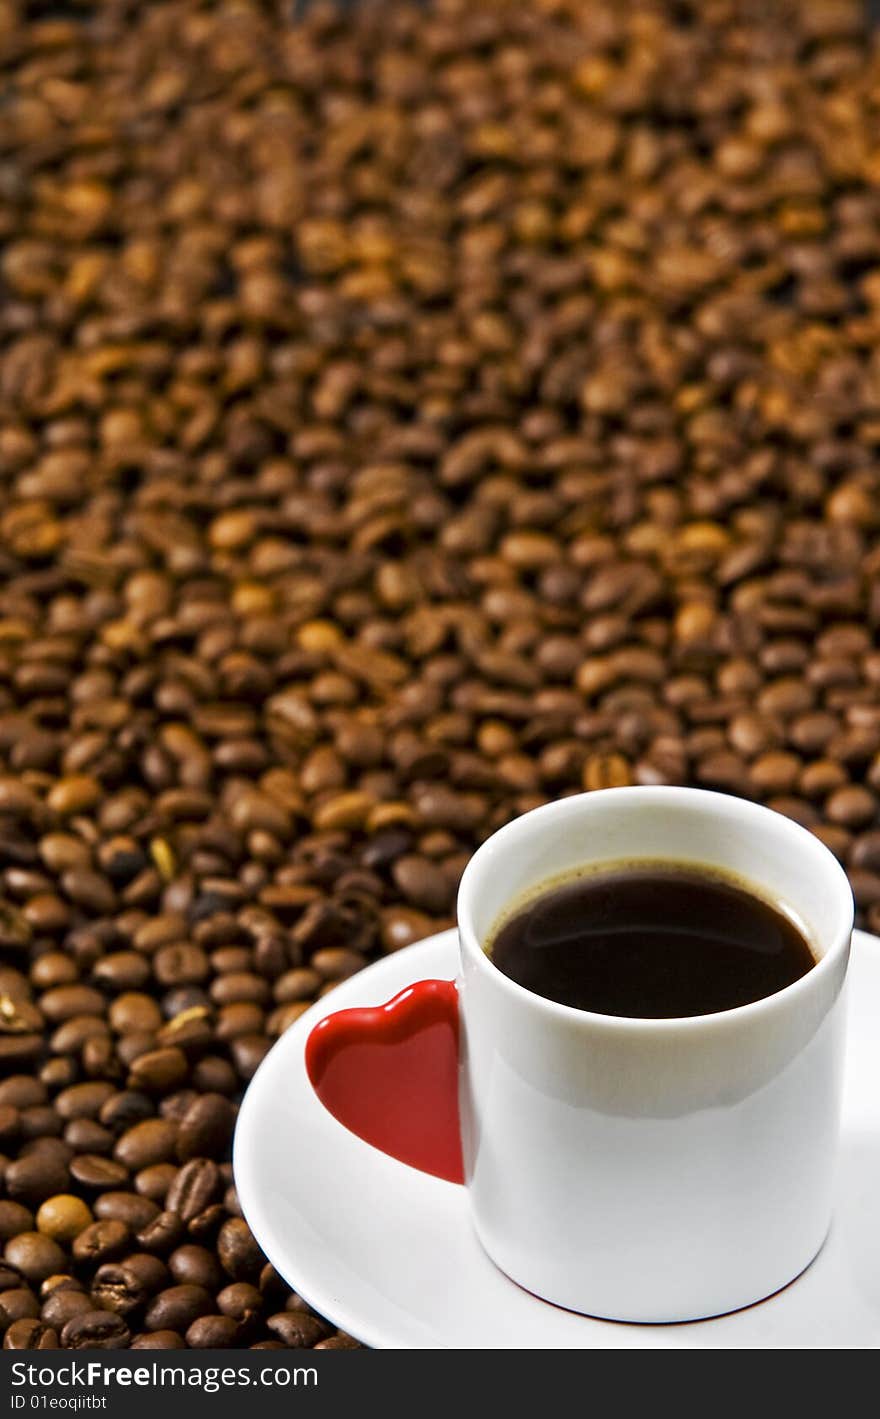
[408,415]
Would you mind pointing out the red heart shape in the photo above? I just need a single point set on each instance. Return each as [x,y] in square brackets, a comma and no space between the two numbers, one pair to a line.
[390,1074]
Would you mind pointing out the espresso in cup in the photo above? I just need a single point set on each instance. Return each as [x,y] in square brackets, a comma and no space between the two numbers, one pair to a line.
[650,940]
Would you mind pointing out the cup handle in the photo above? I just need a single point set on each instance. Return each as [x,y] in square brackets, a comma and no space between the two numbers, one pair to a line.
[389,1073]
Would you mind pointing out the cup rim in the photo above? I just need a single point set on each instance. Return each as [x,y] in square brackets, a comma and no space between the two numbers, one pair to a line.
[789,995]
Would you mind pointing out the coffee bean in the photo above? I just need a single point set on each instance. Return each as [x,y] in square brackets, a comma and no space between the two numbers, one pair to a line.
[239,1254]
[197,1266]
[20,1091]
[14,1218]
[145,1143]
[298,1331]
[63,1217]
[125,1109]
[206,1128]
[92,1171]
[159,1340]
[177,1307]
[95,1330]
[774,772]
[61,1306]
[34,1177]
[53,969]
[865,886]
[401,926]
[151,1271]
[73,794]
[117,1287]
[134,1012]
[19,1303]
[84,1135]
[866,851]
[606,771]
[40,1121]
[194,1188]
[334,963]
[248,1053]
[122,970]
[36,1256]
[48,1149]
[240,1300]
[163,1233]
[154,1182]
[158,1070]
[30,1334]
[102,1241]
[215,1075]
[128,1207]
[422,883]
[213,1332]
[66,1002]
[852,807]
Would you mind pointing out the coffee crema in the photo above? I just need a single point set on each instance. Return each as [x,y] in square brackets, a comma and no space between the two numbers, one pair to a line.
[650,940]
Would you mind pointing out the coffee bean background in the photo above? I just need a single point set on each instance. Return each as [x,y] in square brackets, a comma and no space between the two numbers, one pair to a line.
[408,415]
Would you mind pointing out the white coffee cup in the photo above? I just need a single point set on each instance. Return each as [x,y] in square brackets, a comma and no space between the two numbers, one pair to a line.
[645,1169]
[636,1169]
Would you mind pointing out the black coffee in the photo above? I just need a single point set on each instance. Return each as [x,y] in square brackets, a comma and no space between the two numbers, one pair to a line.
[650,940]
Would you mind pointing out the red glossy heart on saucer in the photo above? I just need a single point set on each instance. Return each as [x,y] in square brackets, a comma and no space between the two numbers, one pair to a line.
[390,1074]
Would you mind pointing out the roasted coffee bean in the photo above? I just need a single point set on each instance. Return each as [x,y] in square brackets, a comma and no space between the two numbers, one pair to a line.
[63,1217]
[194,1188]
[158,1070]
[297,1330]
[206,1128]
[866,851]
[95,1330]
[216,1076]
[14,1218]
[33,1177]
[34,1255]
[422,883]
[94,1172]
[152,1141]
[158,1340]
[84,1135]
[154,1182]
[239,1254]
[61,1306]
[102,1241]
[214,1332]
[177,1307]
[19,1303]
[125,1109]
[196,1266]
[20,1091]
[150,1270]
[241,1301]
[135,1211]
[117,1287]
[30,1334]
[48,1149]
[163,1233]
[84,1100]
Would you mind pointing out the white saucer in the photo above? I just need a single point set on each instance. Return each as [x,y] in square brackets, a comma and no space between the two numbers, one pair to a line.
[389,1255]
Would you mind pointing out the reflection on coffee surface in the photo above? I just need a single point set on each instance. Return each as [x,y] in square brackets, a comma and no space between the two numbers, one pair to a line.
[650,940]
